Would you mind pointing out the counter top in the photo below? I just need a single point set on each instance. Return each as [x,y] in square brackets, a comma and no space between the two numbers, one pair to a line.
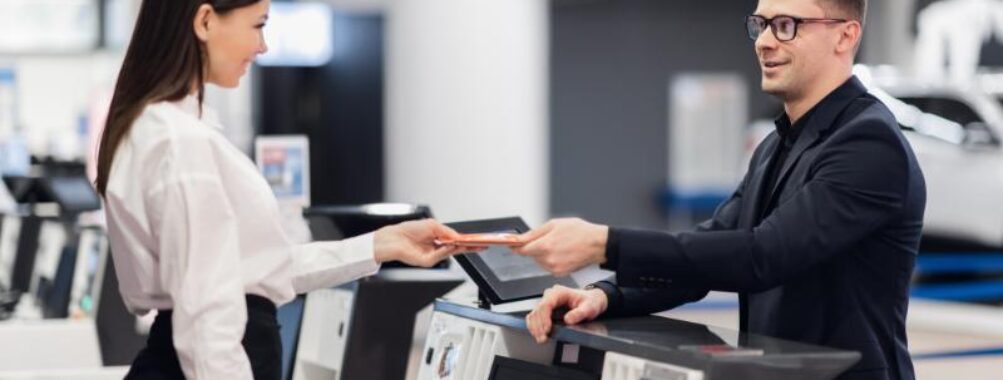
[680,343]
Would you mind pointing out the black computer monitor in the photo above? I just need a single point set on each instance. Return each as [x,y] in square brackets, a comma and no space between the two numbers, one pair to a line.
[74,194]
[500,274]
[513,369]
[25,189]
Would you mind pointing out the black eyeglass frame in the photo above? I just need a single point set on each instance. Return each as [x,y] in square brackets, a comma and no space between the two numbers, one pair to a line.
[769,23]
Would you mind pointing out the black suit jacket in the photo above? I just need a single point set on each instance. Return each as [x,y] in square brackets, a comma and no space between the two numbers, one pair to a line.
[830,264]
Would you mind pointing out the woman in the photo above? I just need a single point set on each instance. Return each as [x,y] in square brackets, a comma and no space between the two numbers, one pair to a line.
[193,226]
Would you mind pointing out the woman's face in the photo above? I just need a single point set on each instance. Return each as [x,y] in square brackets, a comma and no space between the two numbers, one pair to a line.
[232,40]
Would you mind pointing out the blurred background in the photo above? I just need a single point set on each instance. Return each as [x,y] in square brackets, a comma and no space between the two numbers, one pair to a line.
[635,113]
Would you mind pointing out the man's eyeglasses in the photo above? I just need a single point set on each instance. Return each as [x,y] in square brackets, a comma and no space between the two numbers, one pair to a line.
[784,28]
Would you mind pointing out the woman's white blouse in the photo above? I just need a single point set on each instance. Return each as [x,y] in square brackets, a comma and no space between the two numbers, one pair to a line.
[194,227]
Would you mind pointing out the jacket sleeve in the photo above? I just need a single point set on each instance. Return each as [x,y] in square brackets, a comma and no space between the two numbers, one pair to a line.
[633,302]
[636,301]
[857,183]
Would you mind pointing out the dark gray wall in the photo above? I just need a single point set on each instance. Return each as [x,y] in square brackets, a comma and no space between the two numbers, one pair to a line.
[339,107]
[611,61]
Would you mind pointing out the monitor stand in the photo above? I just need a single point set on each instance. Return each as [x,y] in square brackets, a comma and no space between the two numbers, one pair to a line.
[482,300]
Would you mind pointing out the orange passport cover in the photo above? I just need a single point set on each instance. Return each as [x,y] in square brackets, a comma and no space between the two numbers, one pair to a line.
[486,239]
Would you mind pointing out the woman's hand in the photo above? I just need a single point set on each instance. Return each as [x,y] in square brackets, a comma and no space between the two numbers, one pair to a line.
[416,243]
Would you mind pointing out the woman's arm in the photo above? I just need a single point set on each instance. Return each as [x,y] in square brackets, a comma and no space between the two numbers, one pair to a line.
[325,264]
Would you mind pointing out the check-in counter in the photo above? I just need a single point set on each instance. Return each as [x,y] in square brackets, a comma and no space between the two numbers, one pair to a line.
[469,343]
[363,330]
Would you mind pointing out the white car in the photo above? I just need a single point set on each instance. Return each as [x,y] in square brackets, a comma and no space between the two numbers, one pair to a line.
[955,133]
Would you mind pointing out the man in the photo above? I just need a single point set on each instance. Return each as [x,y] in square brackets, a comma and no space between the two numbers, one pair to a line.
[820,238]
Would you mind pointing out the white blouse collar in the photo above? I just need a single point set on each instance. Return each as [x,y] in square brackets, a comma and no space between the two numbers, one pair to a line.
[190,105]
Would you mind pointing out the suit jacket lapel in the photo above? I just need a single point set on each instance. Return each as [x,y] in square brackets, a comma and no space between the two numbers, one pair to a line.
[805,140]
[751,206]
[822,119]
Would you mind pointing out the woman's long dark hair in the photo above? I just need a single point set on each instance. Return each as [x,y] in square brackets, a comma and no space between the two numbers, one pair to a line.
[163,61]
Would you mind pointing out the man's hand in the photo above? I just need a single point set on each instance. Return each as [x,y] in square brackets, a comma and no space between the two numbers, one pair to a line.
[416,243]
[583,305]
[562,246]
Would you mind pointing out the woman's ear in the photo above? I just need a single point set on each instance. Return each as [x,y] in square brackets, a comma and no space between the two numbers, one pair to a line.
[201,22]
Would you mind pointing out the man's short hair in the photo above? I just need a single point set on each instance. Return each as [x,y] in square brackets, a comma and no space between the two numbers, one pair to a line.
[849,9]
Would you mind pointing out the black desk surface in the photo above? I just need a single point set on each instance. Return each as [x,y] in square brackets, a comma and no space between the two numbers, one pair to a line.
[660,339]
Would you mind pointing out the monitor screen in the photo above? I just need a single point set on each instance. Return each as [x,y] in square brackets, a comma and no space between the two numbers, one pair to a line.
[73,194]
[508,265]
[500,274]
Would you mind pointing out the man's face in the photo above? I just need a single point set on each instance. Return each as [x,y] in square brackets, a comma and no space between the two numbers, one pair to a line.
[789,67]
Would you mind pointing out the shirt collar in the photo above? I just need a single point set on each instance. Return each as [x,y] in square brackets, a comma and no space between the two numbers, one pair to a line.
[787,131]
[190,105]
[825,110]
